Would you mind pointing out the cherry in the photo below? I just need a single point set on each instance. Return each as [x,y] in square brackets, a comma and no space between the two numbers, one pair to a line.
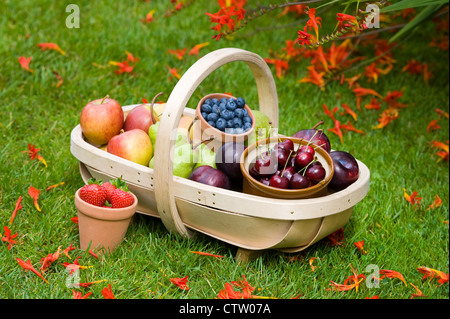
[302,159]
[315,173]
[265,181]
[287,144]
[266,164]
[299,181]
[282,155]
[279,181]
[307,149]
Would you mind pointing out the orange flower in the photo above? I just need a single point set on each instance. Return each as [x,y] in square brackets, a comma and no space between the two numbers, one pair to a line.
[443,154]
[433,273]
[178,53]
[432,126]
[230,293]
[131,57]
[360,92]
[314,77]
[413,67]
[197,47]
[50,46]
[354,279]
[34,193]
[59,78]
[173,72]
[25,62]
[436,203]
[75,266]
[67,250]
[392,274]
[33,154]
[337,130]
[314,22]
[148,17]
[206,254]
[349,127]
[418,292]
[124,67]
[54,186]
[79,295]
[348,110]
[87,284]
[8,238]
[374,104]
[49,259]
[180,282]
[386,117]
[311,260]
[337,237]
[413,199]
[441,112]
[372,71]
[27,266]
[360,246]
[304,37]
[330,113]
[391,99]
[16,209]
[281,66]
[107,292]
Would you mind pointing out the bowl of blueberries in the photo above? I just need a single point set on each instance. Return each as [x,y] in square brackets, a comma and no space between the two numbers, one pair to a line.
[225,117]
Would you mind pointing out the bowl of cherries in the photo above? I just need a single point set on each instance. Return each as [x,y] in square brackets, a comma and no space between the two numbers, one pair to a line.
[286,167]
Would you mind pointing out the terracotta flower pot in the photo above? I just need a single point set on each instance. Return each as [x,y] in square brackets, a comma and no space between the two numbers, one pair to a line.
[100,227]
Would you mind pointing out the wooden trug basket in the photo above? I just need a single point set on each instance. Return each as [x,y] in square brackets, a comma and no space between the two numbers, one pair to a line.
[252,223]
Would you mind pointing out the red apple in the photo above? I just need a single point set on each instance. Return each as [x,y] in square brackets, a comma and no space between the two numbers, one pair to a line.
[134,145]
[101,119]
[141,117]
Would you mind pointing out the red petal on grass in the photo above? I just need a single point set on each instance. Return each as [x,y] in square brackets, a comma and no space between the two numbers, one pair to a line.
[107,292]
[413,199]
[433,273]
[330,113]
[436,203]
[195,50]
[180,282]
[392,274]
[88,284]
[360,246]
[33,154]
[349,127]
[314,77]
[281,66]
[148,17]
[441,112]
[311,261]
[25,62]
[34,193]
[173,72]
[418,292]
[79,295]
[337,130]
[67,250]
[374,104]
[49,259]
[178,53]
[16,209]
[50,46]
[363,92]
[386,117]
[206,254]
[354,280]
[60,79]
[27,266]
[348,110]
[8,238]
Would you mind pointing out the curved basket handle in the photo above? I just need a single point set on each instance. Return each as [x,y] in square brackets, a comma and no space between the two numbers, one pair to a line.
[177,101]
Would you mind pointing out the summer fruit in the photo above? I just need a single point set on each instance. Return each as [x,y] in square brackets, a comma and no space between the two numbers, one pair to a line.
[317,137]
[109,189]
[205,156]
[299,169]
[228,159]
[183,126]
[346,170]
[134,145]
[121,198]
[227,114]
[263,126]
[101,120]
[210,176]
[141,117]
[93,193]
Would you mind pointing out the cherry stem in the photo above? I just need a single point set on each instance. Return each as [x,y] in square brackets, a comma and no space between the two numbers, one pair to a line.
[320,123]
[151,106]
[306,167]
[103,100]
[189,129]
[285,164]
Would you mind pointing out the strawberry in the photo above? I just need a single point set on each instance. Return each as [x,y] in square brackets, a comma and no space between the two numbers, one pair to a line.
[93,193]
[121,198]
[109,189]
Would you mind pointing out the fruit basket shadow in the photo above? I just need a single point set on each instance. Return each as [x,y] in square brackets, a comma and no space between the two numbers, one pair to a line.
[250,222]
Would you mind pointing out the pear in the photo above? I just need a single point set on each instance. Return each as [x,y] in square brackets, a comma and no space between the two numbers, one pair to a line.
[263,127]
[181,136]
[205,156]
[184,159]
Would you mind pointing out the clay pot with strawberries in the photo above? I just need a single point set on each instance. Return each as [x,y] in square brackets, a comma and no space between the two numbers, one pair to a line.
[104,214]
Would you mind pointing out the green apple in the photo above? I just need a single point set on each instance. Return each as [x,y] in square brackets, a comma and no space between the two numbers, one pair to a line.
[184,159]
[205,156]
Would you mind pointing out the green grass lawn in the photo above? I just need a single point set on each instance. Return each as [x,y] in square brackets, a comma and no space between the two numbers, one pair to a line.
[397,235]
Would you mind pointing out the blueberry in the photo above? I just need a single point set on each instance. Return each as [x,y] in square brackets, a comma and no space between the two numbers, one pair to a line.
[245,112]
[208,101]
[240,102]
[230,123]
[247,119]
[215,109]
[226,114]
[237,122]
[212,123]
[222,107]
[205,115]
[212,117]
[223,100]
[231,105]
[239,113]
[247,126]
[215,101]
[229,130]
[206,108]
[221,123]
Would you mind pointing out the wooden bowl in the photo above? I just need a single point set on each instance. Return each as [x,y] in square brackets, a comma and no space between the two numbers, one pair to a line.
[220,137]
[255,187]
